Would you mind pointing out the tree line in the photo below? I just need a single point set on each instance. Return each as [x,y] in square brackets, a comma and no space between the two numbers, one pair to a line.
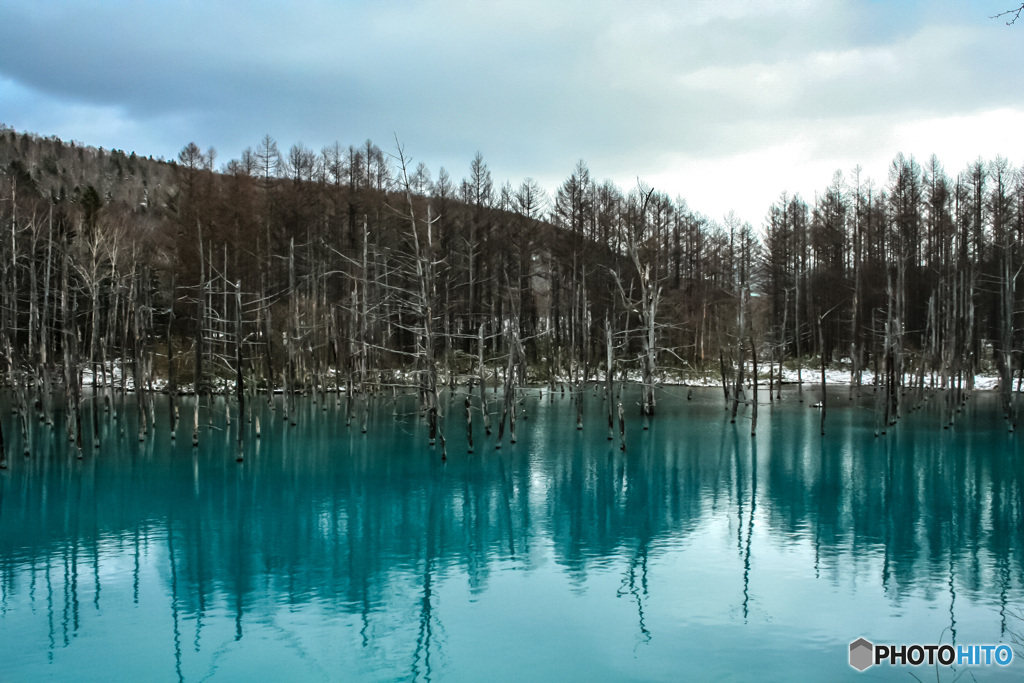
[357,268]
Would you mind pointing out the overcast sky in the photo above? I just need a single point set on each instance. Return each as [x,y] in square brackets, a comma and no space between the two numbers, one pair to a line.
[725,103]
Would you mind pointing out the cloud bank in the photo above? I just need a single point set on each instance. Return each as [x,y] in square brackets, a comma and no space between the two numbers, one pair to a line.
[724,103]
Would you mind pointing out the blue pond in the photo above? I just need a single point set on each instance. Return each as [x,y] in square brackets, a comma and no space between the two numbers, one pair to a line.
[698,553]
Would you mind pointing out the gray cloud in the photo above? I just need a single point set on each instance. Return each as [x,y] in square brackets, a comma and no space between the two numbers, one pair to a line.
[534,85]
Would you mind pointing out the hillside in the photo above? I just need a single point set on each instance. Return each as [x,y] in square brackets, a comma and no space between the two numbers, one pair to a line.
[50,167]
[349,266]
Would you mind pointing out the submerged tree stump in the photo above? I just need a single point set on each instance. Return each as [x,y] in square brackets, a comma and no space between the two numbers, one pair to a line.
[469,425]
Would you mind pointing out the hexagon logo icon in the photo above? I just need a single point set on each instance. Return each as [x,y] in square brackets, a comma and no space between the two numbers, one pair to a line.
[862,654]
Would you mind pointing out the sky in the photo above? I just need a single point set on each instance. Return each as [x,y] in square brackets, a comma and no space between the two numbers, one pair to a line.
[723,103]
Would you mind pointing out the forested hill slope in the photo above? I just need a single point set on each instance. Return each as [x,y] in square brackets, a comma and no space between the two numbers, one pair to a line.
[49,167]
[354,260]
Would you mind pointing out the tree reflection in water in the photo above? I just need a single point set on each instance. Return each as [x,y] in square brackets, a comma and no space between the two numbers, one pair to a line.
[323,524]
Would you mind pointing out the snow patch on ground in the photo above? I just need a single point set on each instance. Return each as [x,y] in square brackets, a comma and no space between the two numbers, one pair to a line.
[667,376]
[809,376]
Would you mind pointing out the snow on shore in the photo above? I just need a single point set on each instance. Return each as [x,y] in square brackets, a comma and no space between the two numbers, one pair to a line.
[668,376]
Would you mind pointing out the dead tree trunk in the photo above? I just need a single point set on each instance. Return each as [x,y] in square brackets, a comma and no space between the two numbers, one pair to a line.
[72,377]
[647,307]
[737,388]
[796,338]
[424,306]
[622,427]
[753,421]
[195,421]
[483,388]
[93,353]
[3,451]
[725,381]
[652,295]
[740,329]
[578,394]
[508,409]
[1006,341]
[821,347]
[782,346]
[290,337]
[469,425]
[200,324]
[608,376]
[172,377]
[138,361]
[44,331]
[364,311]
[239,377]
[268,354]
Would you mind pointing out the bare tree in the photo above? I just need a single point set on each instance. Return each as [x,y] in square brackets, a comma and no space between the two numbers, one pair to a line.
[646,306]
[423,301]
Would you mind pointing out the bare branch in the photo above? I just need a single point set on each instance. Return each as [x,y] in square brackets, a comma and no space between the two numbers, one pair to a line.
[1014,11]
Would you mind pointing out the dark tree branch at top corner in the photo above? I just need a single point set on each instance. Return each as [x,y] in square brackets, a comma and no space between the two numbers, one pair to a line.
[1012,14]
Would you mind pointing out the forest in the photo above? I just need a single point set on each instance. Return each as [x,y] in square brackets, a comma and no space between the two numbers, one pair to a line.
[358,271]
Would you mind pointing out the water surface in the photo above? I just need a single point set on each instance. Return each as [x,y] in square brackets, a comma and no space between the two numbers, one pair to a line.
[699,552]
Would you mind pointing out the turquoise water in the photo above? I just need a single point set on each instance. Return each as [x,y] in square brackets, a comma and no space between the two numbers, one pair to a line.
[698,553]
